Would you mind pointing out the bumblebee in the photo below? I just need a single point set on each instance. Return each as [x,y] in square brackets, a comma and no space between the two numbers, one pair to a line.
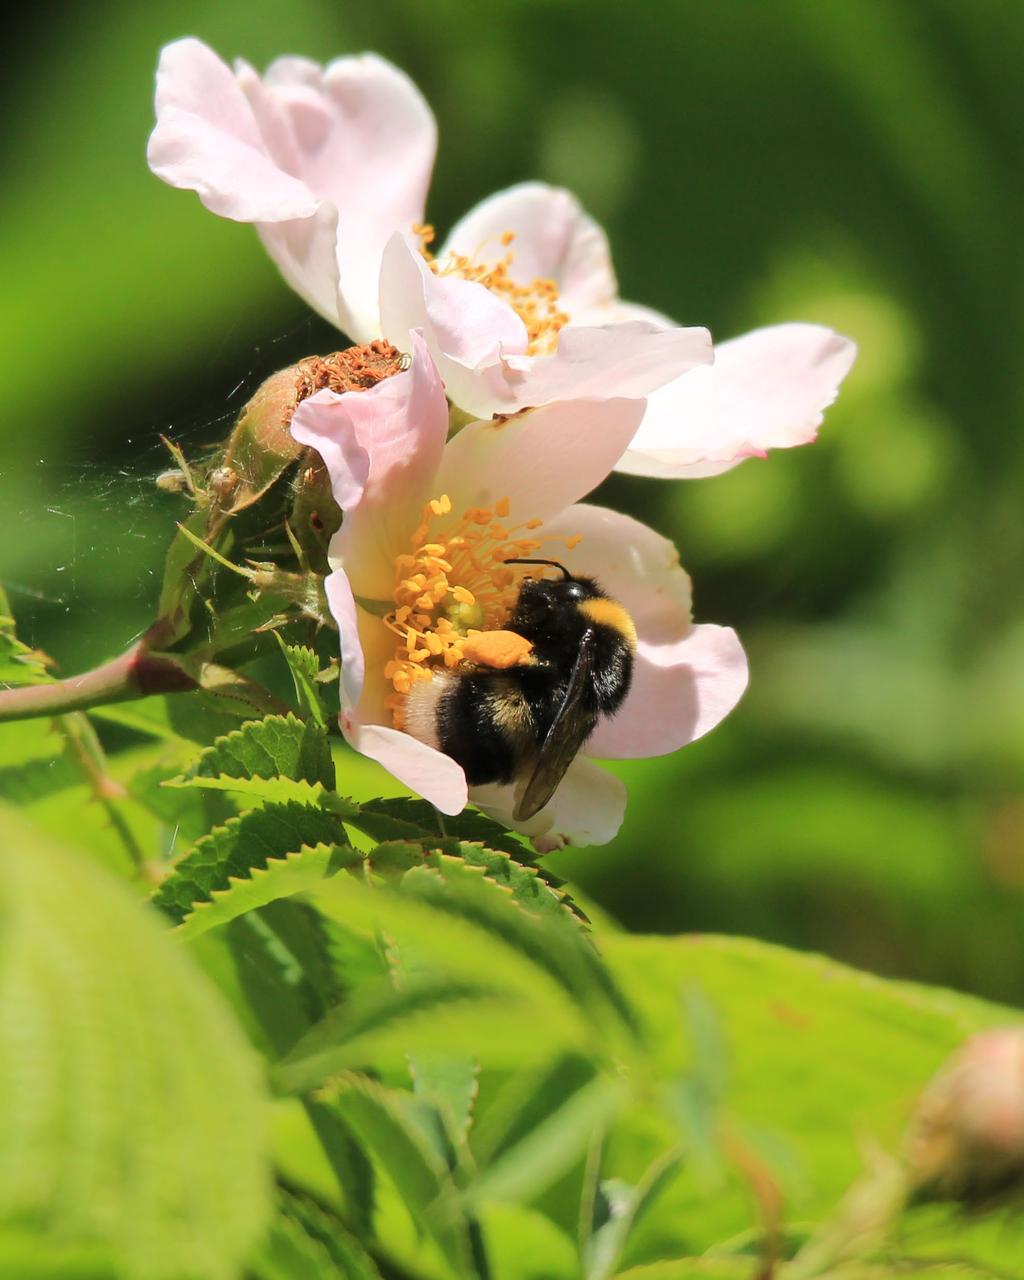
[519,711]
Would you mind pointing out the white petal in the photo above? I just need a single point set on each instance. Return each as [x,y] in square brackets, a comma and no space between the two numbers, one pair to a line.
[434,776]
[541,460]
[679,693]
[382,448]
[465,326]
[365,647]
[306,255]
[636,566]
[766,390]
[631,359]
[207,140]
[587,808]
[363,139]
[554,240]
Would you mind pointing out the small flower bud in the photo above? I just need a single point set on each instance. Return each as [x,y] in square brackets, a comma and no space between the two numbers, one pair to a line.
[966,1141]
[261,446]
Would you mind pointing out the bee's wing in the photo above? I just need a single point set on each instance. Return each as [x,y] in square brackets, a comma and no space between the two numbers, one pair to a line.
[572,725]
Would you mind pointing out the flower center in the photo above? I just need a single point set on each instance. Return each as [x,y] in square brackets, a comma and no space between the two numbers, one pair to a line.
[536,303]
[453,585]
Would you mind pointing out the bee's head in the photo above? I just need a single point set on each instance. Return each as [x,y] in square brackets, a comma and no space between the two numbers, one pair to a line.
[551,605]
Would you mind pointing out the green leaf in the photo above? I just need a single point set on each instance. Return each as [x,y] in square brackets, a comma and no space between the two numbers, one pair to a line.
[276,746]
[551,1147]
[449,1082]
[116,1132]
[526,1245]
[250,841]
[625,1206]
[404,817]
[335,1043]
[822,1059]
[281,878]
[552,942]
[530,886]
[304,666]
[385,1125]
[306,1242]
[26,1256]
[19,664]
[527,1099]
[536,1016]
[695,1269]
[286,1003]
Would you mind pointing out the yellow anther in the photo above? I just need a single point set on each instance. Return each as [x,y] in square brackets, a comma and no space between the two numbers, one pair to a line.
[453,587]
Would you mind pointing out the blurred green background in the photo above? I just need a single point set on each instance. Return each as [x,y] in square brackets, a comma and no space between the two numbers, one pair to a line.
[856,163]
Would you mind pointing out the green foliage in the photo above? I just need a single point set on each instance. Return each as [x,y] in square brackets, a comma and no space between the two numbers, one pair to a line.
[19,664]
[117,1138]
[248,841]
[470,1059]
[276,746]
[304,666]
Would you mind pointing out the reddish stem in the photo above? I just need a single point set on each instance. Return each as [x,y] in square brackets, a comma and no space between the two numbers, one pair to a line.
[134,674]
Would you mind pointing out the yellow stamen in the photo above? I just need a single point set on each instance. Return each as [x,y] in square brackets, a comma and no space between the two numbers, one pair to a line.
[535,303]
[454,585]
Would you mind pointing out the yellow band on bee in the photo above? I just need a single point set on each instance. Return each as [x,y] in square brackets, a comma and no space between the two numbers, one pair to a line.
[610,614]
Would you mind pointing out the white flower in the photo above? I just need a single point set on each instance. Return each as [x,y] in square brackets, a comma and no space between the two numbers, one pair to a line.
[429,522]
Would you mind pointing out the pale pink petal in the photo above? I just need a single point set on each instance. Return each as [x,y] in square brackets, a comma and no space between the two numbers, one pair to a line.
[360,134]
[554,240]
[635,565]
[479,344]
[365,646]
[587,808]
[382,448]
[766,390]
[679,693]
[207,140]
[685,678]
[615,360]
[541,460]
[623,311]
[465,325]
[305,254]
[432,775]
[342,605]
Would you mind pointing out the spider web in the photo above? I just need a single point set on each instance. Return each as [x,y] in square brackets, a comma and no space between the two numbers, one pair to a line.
[84,537]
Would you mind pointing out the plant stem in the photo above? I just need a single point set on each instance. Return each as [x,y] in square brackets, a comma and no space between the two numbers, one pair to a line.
[134,674]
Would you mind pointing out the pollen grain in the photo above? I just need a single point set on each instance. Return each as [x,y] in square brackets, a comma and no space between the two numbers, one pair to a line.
[452,585]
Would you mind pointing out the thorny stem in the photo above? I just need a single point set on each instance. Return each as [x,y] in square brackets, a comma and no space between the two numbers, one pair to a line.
[83,746]
[135,674]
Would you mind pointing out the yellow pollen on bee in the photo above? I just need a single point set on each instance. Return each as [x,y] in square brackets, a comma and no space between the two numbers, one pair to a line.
[454,590]
[536,303]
